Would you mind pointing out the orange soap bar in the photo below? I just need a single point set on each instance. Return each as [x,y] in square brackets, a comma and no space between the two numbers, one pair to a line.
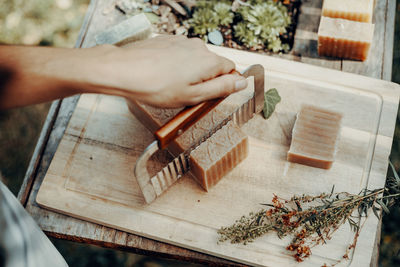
[315,137]
[344,38]
[215,157]
[223,151]
[357,10]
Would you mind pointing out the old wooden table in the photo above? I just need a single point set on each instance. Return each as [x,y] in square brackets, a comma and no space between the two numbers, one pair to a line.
[379,65]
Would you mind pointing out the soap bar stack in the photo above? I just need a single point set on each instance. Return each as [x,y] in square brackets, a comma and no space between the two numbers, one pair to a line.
[345,30]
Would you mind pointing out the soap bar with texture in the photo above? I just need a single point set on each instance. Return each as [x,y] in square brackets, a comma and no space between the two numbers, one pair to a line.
[357,10]
[315,137]
[344,38]
[214,158]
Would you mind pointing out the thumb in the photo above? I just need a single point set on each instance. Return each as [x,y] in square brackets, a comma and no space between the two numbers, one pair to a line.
[218,87]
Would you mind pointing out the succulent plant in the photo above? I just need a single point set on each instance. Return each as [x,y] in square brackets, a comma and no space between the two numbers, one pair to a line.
[245,35]
[209,15]
[258,23]
[223,13]
[266,20]
[203,21]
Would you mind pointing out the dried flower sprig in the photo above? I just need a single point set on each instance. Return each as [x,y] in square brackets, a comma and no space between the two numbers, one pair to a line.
[311,220]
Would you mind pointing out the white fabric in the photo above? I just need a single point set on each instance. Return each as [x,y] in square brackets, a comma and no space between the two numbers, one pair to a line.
[22,243]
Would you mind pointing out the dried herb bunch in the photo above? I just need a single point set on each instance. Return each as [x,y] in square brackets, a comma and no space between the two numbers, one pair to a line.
[311,220]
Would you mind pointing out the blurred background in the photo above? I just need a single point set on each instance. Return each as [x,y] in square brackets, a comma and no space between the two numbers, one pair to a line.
[57,23]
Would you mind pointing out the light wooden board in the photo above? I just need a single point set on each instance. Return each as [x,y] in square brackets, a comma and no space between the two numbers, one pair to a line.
[91,177]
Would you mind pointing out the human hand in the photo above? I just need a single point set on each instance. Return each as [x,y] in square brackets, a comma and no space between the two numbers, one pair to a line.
[165,71]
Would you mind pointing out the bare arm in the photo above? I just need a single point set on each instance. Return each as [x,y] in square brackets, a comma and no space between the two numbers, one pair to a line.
[165,71]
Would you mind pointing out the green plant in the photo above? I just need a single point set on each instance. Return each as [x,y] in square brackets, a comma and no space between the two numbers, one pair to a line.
[259,23]
[203,21]
[223,13]
[210,15]
[263,23]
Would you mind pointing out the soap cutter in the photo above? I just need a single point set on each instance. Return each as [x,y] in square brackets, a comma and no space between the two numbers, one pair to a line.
[152,187]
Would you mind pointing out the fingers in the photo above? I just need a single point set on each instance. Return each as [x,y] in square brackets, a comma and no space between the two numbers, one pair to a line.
[217,87]
[224,66]
[211,65]
[204,65]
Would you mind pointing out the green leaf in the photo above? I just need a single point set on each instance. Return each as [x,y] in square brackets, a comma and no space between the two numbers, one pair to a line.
[271,99]
[384,207]
[396,176]
[376,211]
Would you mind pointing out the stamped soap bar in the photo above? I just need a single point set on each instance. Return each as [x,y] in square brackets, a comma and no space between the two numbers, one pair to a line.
[344,38]
[315,137]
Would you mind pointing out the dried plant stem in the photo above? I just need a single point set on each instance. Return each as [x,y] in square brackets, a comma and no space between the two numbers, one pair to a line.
[311,220]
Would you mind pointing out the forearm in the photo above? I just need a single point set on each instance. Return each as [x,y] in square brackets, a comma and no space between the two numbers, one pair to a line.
[30,75]
[165,71]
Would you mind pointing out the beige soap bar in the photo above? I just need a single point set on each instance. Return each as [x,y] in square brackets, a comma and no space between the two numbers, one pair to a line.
[344,38]
[315,137]
[222,152]
[214,158]
[130,30]
[357,10]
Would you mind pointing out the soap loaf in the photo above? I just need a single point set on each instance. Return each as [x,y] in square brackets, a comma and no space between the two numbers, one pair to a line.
[357,10]
[215,157]
[315,137]
[344,38]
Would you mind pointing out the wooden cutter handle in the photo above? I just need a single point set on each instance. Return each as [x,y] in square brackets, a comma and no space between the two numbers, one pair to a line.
[183,120]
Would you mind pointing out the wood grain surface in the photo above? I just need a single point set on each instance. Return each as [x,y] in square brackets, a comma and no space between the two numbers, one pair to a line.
[65,227]
[91,176]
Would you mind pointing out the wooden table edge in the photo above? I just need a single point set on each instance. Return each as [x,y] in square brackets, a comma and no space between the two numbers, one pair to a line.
[201,259]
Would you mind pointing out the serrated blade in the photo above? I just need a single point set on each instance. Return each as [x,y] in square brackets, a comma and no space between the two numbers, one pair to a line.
[180,165]
[152,187]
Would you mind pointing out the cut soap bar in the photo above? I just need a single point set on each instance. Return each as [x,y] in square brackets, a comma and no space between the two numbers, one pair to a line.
[215,157]
[224,150]
[344,38]
[357,10]
[315,137]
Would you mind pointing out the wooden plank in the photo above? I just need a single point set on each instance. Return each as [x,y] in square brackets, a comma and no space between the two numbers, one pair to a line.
[26,186]
[386,75]
[306,39]
[389,41]
[372,67]
[95,144]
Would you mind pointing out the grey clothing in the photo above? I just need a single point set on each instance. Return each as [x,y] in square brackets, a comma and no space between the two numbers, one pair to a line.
[22,243]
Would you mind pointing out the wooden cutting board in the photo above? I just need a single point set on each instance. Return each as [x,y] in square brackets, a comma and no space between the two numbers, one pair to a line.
[91,175]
